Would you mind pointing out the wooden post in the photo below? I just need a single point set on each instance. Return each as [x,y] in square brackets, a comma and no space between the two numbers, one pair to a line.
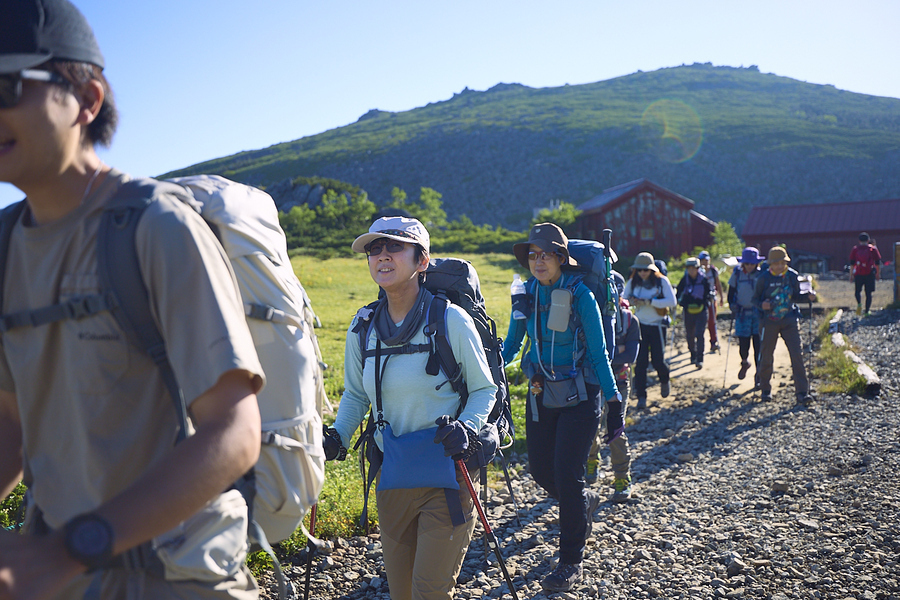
[896,272]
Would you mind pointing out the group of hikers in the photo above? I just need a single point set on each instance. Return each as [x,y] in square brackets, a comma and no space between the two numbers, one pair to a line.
[128,498]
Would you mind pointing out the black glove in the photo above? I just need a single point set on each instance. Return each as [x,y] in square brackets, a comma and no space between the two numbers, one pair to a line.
[458,440]
[331,442]
[615,420]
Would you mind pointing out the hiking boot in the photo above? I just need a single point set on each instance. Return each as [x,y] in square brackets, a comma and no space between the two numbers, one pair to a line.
[664,389]
[714,347]
[765,396]
[744,367]
[699,364]
[859,309]
[642,403]
[591,502]
[804,398]
[622,486]
[590,471]
[563,578]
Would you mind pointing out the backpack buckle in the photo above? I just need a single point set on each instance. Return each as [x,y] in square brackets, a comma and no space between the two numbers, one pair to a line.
[84,307]
[261,312]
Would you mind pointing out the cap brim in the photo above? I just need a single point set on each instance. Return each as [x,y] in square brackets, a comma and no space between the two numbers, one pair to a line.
[520,251]
[652,267]
[360,243]
[13,63]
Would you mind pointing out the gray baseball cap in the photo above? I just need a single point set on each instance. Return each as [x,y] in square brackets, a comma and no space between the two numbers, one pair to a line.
[35,31]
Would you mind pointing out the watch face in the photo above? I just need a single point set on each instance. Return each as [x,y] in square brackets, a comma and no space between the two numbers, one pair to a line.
[89,539]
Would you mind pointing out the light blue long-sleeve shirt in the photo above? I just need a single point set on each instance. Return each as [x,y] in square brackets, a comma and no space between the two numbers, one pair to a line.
[410,399]
[557,350]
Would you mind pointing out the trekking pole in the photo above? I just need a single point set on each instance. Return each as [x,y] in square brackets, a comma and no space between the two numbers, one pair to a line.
[728,351]
[310,550]
[611,302]
[488,532]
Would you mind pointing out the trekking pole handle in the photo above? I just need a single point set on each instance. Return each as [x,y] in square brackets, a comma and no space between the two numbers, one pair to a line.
[607,239]
[488,532]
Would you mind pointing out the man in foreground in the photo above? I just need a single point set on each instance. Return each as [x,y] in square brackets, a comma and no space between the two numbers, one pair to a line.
[120,502]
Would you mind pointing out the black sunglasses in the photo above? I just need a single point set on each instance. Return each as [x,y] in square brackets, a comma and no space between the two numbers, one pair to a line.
[544,256]
[375,248]
[11,84]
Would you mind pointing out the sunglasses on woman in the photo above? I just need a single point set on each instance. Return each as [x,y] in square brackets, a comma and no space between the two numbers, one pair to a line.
[544,256]
[375,248]
[11,84]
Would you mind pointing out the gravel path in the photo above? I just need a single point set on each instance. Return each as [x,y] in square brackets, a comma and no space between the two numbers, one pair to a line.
[734,499]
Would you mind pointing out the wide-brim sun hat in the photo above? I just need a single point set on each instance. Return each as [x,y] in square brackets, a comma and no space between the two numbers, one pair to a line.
[750,256]
[644,260]
[549,238]
[402,229]
[35,31]
[778,253]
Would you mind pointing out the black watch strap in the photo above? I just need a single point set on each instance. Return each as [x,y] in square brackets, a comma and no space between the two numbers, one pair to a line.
[89,540]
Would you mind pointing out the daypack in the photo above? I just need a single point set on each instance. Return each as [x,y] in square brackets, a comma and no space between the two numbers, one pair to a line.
[694,292]
[451,281]
[594,273]
[865,260]
[290,473]
[741,287]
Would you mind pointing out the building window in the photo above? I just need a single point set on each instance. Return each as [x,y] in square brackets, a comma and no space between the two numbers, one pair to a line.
[646,234]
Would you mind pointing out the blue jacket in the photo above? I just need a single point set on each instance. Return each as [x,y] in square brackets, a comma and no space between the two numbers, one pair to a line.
[562,351]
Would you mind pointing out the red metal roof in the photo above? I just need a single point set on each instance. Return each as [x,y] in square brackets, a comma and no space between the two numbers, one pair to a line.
[840,217]
[618,194]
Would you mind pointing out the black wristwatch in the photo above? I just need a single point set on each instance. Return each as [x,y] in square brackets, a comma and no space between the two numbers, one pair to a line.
[89,540]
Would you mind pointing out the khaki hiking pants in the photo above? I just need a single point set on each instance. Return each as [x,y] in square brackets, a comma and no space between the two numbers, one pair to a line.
[789,330]
[423,551]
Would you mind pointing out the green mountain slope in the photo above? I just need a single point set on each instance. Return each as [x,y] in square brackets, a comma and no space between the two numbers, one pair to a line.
[727,138]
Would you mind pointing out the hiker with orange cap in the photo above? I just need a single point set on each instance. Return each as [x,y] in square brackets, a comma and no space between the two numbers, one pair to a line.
[777,291]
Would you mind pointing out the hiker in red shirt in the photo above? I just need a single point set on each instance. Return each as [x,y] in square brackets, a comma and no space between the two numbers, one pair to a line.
[865,268]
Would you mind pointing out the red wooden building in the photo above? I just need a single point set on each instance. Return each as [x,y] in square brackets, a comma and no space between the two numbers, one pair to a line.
[644,217]
[819,236]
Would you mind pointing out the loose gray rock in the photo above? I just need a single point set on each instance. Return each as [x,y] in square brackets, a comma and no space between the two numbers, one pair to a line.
[778,502]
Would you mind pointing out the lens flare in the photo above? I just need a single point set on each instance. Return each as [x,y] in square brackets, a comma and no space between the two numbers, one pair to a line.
[672,130]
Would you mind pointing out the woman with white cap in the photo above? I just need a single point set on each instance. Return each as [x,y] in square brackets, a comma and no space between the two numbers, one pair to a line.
[567,364]
[651,295]
[425,511]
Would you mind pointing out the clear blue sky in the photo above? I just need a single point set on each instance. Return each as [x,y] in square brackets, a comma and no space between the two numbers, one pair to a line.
[200,79]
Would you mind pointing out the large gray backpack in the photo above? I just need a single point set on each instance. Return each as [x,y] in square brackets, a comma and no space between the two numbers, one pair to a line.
[289,475]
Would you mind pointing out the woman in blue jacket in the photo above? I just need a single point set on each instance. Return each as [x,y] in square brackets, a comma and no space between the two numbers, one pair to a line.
[567,364]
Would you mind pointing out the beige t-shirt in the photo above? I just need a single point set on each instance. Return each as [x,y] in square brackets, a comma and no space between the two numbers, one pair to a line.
[95,412]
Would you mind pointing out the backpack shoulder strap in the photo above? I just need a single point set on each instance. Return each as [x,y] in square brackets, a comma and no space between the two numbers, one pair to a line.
[119,272]
[9,216]
[76,308]
[442,357]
